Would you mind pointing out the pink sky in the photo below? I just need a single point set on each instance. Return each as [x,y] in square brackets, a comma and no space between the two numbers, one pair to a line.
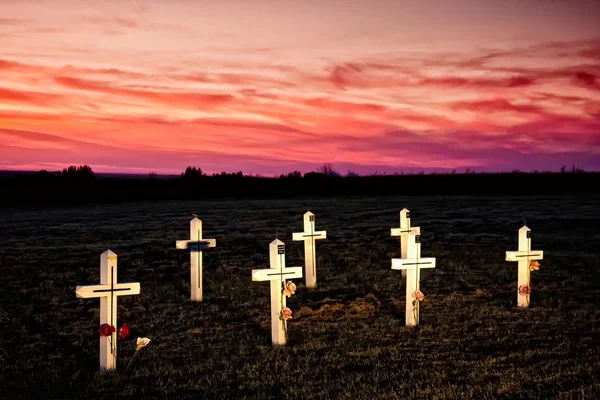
[268,87]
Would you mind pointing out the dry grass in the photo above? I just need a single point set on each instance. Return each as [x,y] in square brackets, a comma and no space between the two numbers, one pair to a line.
[347,339]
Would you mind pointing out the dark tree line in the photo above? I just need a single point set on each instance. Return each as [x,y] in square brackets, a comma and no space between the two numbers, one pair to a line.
[79,184]
[82,173]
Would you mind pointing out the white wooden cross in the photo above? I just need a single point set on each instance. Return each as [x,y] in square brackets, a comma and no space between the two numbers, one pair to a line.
[196,244]
[107,291]
[524,256]
[413,263]
[277,274]
[403,232]
[310,255]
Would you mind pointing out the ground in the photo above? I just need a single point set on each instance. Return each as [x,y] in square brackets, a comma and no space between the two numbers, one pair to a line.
[347,339]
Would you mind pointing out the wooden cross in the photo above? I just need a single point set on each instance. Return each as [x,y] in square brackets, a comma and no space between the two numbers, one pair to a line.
[107,291]
[524,256]
[196,244]
[277,274]
[403,232]
[413,263]
[310,255]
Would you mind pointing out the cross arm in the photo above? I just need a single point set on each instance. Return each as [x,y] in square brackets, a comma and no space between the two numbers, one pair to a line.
[195,245]
[298,236]
[524,255]
[405,231]
[120,289]
[408,263]
[308,235]
[272,274]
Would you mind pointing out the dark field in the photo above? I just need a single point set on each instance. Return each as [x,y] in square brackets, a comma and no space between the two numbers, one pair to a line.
[347,339]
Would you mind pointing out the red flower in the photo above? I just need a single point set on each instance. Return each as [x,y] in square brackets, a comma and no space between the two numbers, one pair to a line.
[524,290]
[123,331]
[106,330]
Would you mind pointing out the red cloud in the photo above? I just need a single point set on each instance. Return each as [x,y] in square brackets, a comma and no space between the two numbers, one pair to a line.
[496,105]
[13,66]
[386,73]
[513,82]
[194,100]
[579,128]
[111,72]
[23,97]
[344,75]
[344,107]
[587,80]
[379,75]
[240,79]
[23,68]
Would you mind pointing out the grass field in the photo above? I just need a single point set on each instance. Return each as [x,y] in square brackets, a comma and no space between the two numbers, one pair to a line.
[347,339]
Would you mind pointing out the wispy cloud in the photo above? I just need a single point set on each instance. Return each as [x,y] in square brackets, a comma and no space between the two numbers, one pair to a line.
[189,84]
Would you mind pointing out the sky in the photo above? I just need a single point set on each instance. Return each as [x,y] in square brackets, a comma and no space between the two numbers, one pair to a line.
[269,87]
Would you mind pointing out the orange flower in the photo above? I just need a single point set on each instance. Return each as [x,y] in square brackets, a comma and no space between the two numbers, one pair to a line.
[289,288]
[534,265]
[524,290]
[286,314]
[418,295]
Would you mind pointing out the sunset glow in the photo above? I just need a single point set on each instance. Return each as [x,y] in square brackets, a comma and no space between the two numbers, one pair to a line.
[269,87]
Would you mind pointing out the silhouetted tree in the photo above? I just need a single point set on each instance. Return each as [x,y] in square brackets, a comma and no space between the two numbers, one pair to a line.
[83,173]
[327,169]
[44,176]
[192,173]
[315,176]
[576,169]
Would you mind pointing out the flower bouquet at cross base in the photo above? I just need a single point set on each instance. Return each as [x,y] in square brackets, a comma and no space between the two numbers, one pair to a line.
[289,288]
[107,330]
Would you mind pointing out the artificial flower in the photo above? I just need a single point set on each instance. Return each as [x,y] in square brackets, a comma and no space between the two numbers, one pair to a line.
[286,314]
[418,295]
[123,331]
[106,330]
[141,342]
[289,288]
[534,265]
[524,290]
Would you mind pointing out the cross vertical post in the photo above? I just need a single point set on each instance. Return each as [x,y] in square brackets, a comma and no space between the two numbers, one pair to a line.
[108,308]
[309,236]
[196,244]
[524,256]
[403,232]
